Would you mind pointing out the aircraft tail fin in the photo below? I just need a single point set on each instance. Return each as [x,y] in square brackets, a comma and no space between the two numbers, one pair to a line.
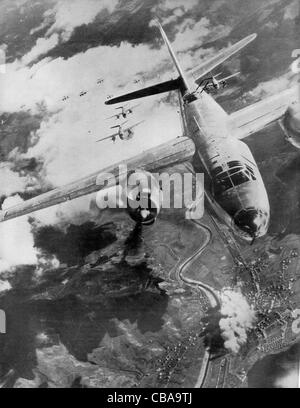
[167,86]
[120,125]
[173,56]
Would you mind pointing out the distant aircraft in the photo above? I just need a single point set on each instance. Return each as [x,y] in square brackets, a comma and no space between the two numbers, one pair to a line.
[83,93]
[123,134]
[100,81]
[233,186]
[125,111]
[213,83]
[65,98]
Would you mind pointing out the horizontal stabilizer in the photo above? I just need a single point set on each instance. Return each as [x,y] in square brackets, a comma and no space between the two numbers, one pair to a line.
[220,57]
[167,86]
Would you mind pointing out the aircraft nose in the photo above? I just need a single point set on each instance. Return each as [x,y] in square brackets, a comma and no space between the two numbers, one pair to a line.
[252,221]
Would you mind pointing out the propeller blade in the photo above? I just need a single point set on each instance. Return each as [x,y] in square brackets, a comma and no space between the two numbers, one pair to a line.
[228,77]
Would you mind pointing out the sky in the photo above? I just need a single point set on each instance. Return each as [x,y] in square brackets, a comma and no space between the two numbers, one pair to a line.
[59,48]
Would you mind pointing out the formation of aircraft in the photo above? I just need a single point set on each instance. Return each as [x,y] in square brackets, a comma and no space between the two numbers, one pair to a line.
[213,83]
[122,133]
[233,185]
[82,93]
[125,111]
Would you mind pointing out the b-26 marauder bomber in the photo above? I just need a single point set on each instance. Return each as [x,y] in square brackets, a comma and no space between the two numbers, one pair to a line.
[233,184]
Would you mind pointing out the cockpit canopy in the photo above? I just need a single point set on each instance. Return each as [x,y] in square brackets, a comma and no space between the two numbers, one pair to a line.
[234,174]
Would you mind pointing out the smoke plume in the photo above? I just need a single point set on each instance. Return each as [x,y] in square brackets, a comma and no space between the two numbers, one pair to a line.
[238,317]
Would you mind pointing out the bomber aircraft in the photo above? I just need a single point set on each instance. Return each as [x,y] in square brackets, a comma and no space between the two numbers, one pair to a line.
[214,83]
[233,184]
[123,134]
[125,111]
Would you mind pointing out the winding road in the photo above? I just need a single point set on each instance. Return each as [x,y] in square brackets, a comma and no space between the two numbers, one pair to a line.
[211,293]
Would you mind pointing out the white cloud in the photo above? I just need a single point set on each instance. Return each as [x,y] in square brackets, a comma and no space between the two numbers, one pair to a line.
[16,240]
[42,46]
[4,286]
[273,86]
[11,182]
[69,14]
[172,5]
[292,10]
[61,21]
[290,380]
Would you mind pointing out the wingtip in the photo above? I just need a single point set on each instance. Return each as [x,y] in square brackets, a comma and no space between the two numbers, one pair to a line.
[252,36]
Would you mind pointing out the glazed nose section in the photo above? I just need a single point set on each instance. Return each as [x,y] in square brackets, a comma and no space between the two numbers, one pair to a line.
[252,221]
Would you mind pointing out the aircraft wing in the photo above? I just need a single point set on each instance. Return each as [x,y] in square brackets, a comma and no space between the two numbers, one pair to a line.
[133,107]
[176,151]
[107,137]
[135,125]
[261,114]
[113,116]
[220,57]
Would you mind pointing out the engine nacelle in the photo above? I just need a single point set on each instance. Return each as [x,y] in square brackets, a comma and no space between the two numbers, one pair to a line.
[144,198]
[290,124]
[139,194]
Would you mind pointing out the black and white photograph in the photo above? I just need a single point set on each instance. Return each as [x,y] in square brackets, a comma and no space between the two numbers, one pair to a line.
[150,196]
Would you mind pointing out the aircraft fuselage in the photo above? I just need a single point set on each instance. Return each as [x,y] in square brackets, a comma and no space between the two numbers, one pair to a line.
[233,181]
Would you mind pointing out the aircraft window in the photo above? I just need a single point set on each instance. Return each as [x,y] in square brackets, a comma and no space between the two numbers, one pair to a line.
[233,171]
[251,172]
[239,178]
[250,175]
[226,181]
[217,170]
[234,163]
[222,184]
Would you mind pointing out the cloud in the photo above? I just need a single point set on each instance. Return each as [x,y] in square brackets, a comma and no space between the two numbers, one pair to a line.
[173,5]
[273,86]
[292,11]
[238,318]
[42,46]
[289,380]
[11,182]
[16,240]
[4,285]
[68,14]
